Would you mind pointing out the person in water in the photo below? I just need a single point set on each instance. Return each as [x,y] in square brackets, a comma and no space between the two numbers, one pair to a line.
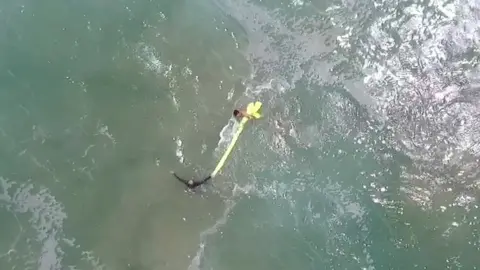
[239,114]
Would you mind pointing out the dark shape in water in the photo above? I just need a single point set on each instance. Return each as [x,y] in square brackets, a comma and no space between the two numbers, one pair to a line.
[191,183]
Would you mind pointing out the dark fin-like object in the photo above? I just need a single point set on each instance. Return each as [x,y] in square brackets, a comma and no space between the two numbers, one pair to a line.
[191,183]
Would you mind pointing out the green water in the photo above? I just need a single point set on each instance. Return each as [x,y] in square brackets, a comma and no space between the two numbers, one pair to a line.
[100,100]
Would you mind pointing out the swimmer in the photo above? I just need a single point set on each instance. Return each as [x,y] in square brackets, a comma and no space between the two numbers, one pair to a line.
[191,184]
[239,114]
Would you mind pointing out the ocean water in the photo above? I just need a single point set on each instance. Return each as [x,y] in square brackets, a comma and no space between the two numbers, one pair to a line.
[367,157]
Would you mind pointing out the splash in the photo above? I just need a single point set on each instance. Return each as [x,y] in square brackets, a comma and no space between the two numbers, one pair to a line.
[151,60]
[226,135]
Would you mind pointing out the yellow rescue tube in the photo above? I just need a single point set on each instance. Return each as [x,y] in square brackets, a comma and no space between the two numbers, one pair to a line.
[253,109]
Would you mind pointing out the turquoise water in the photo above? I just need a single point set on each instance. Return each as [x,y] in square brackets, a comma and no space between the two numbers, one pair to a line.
[367,157]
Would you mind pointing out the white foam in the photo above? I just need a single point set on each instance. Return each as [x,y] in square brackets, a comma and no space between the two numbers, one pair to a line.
[282,51]
[103,130]
[85,153]
[175,101]
[423,90]
[47,217]
[226,135]
[298,2]
[196,261]
[148,56]
[179,149]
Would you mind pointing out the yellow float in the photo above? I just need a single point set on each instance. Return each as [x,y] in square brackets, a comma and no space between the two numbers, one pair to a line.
[253,111]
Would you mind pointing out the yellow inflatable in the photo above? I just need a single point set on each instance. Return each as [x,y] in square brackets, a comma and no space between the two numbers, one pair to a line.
[253,109]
